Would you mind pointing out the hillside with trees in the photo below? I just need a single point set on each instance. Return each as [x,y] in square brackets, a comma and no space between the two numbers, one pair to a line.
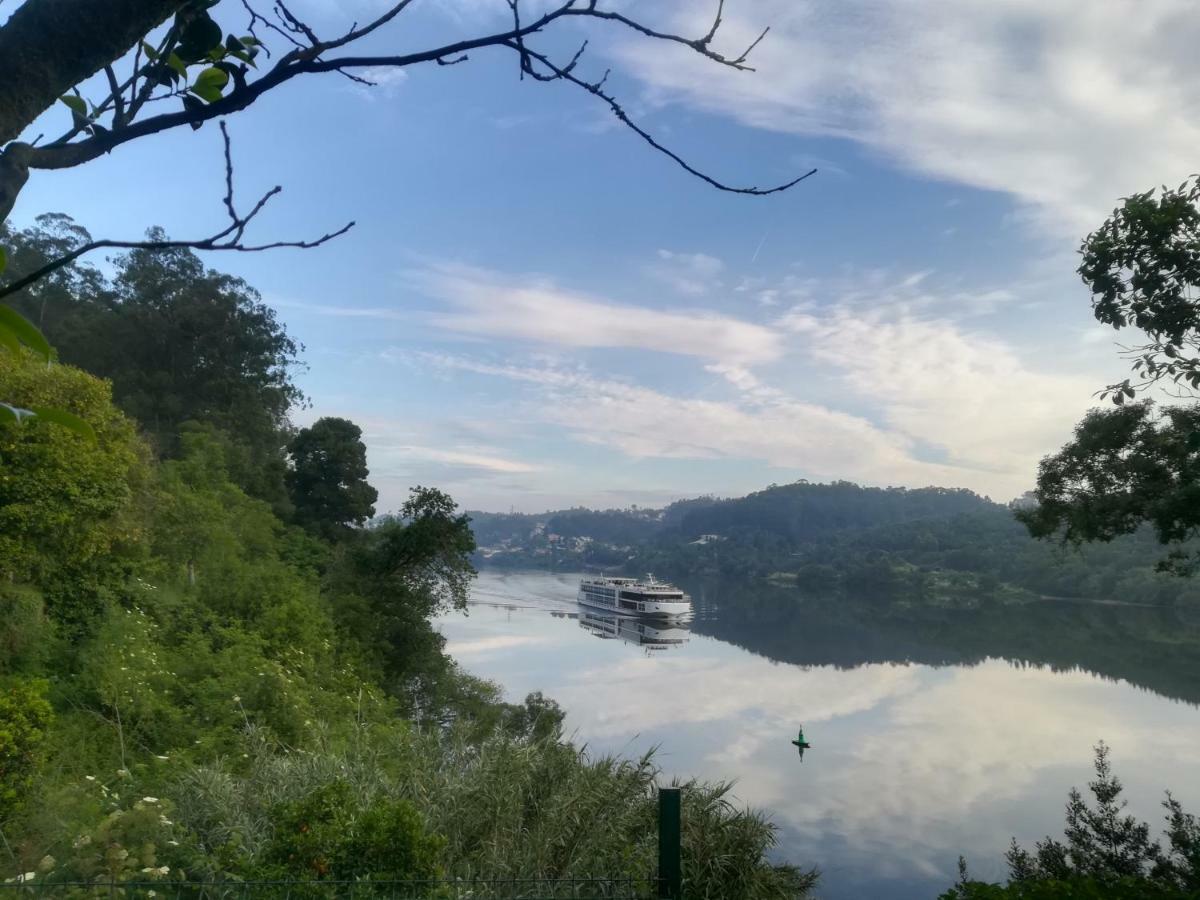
[926,546]
[210,668]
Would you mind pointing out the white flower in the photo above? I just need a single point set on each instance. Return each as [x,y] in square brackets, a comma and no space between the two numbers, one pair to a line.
[161,757]
[82,841]
[237,699]
[149,799]
[173,843]
[90,777]
[28,876]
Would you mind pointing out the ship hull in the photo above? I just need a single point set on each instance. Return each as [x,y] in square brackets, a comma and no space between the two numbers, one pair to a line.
[667,609]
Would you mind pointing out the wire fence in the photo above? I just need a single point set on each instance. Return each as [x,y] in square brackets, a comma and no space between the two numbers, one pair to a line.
[429,889]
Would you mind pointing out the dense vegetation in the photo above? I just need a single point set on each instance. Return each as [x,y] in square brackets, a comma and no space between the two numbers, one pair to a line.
[208,669]
[1107,853]
[927,546]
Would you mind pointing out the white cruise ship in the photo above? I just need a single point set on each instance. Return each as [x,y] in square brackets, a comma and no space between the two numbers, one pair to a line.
[634,596]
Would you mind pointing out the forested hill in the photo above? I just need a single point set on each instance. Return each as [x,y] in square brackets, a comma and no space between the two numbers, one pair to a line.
[805,511]
[929,545]
[797,511]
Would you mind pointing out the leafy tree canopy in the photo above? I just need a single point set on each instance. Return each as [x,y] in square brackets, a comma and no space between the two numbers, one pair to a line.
[179,342]
[1129,467]
[328,479]
[67,506]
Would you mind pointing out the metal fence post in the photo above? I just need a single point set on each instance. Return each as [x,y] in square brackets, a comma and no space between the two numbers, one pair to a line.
[670,868]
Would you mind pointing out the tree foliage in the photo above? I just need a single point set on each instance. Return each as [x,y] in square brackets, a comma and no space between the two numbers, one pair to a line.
[68,507]
[24,717]
[327,482]
[1143,268]
[1105,853]
[179,342]
[1126,468]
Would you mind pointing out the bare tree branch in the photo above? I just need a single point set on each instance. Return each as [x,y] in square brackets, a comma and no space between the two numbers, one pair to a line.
[596,89]
[228,238]
[307,53]
[306,59]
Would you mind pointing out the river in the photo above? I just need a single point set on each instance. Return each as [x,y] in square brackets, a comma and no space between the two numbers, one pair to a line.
[933,733]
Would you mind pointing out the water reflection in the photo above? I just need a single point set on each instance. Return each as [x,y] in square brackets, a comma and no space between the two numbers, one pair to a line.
[938,732]
[1156,648]
[650,635]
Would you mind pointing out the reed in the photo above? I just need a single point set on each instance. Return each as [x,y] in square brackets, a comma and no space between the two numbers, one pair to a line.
[506,808]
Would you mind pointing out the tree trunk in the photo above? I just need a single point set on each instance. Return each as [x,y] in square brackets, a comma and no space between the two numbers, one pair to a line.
[49,46]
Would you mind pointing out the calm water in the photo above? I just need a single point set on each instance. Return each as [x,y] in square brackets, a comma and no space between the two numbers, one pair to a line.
[933,734]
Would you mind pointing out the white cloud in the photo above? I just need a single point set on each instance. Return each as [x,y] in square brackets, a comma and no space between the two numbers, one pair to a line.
[472,460]
[934,399]
[1064,105]
[967,393]
[765,425]
[688,273]
[385,81]
[534,309]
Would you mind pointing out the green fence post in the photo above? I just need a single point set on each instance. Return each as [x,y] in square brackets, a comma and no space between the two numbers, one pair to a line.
[670,868]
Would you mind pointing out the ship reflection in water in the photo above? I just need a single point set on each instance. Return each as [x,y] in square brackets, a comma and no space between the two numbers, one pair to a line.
[649,634]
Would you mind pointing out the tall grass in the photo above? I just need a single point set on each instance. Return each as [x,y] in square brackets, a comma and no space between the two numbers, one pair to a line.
[507,808]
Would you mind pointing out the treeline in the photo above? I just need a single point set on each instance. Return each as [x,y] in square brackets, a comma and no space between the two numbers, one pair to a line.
[929,545]
[209,667]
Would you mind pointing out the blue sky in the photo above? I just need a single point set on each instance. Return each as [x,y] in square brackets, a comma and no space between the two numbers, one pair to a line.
[536,310]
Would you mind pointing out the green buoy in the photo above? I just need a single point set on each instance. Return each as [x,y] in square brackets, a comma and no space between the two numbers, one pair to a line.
[801,742]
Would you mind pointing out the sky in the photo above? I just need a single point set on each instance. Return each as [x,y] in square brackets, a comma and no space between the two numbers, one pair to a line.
[536,310]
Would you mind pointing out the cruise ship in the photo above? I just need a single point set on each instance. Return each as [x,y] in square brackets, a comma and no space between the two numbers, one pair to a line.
[634,596]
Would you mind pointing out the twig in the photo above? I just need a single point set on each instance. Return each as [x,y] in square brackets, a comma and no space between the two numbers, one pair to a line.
[228,238]
[596,89]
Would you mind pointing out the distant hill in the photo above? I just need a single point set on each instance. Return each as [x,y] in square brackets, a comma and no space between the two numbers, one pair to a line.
[805,511]
[927,546]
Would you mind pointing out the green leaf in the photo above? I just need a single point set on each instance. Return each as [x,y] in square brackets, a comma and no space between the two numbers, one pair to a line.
[66,420]
[209,84]
[25,331]
[8,340]
[150,52]
[178,66]
[76,104]
[199,38]
[3,260]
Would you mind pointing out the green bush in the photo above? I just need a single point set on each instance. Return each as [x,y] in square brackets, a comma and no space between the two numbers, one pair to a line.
[330,834]
[24,718]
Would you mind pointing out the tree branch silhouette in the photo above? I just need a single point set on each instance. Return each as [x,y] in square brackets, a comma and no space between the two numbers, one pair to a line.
[231,237]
